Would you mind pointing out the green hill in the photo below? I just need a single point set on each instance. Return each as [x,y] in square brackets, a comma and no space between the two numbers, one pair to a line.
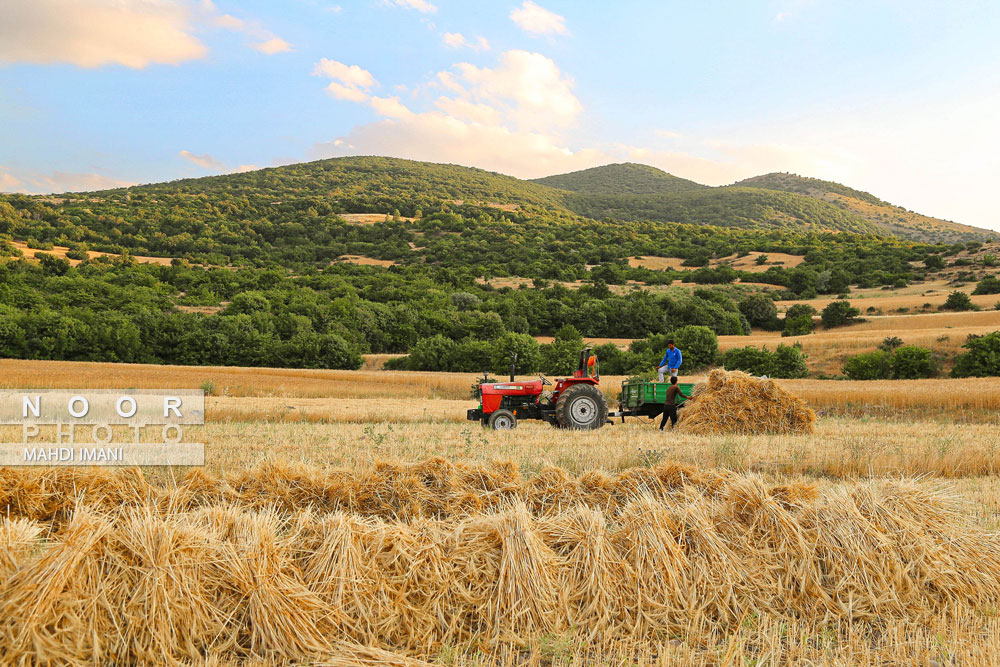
[887,217]
[298,213]
[618,179]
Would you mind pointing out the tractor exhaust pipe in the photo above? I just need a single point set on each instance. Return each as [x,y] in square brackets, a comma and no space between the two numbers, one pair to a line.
[513,365]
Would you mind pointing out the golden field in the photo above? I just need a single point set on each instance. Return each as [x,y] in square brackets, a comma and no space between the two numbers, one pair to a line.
[356,518]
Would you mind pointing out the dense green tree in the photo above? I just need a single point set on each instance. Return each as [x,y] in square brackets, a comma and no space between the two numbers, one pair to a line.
[958,301]
[982,358]
[839,313]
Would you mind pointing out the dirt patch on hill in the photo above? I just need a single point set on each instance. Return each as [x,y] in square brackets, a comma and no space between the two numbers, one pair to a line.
[60,251]
[365,261]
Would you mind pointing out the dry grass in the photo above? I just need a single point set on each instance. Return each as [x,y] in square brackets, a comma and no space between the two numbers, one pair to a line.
[828,349]
[966,399]
[312,537]
[745,263]
[365,261]
[914,297]
[398,563]
[60,251]
[369,218]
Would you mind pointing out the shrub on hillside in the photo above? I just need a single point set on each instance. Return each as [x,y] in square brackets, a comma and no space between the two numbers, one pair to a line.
[982,358]
[911,362]
[749,359]
[958,301]
[934,262]
[839,313]
[875,365]
[988,285]
[907,362]
[787,361]
[760,311]
[529,354]
[890,343]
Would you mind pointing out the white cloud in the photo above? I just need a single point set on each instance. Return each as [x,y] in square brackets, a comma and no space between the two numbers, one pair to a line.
[528,87]
[243,168]
[32,182]
[92,33]
[273,46]
[420,5]
[349,75]
[339,91]
[456,40]
[265,41]
[205,161]
[538,20]
[350,82]
[390,107]
[8,183]
[501,118]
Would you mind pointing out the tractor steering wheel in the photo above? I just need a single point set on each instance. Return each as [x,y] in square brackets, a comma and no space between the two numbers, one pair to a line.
[544,381]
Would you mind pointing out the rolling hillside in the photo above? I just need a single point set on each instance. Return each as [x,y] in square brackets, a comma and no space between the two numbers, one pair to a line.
[639,192]
[892,219]
[309,212]
[618,179]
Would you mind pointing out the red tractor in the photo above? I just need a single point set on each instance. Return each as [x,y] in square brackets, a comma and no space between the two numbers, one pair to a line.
[576,402]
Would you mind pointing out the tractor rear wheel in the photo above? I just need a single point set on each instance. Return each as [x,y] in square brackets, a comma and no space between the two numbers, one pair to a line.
[502,420]
[582,406]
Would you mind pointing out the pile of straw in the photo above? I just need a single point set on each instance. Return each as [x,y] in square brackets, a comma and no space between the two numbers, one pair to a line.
[734,402]
[240,574]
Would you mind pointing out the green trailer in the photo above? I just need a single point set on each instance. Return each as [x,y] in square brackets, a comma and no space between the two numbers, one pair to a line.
[646,399]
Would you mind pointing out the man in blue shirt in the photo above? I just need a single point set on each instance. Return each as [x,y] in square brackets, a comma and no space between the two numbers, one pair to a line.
[671,361]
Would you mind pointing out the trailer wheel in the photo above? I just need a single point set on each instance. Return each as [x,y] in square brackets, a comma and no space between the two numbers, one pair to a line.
[502,420]
[582,406]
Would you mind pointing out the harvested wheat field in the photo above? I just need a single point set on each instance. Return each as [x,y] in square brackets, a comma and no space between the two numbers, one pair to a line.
[399,564]
[734,402]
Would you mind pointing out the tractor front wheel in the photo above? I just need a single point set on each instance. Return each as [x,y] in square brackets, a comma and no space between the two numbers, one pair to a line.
[502,420]
[581,407]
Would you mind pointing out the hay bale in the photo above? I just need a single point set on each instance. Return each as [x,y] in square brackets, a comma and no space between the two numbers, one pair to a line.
[734,402]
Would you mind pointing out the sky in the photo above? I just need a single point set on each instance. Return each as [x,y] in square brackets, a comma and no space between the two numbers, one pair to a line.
[897,97]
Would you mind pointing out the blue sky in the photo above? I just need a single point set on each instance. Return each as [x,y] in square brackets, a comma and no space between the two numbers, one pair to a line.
[898,98]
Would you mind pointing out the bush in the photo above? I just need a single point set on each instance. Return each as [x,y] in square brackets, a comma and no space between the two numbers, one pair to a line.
[911,362]
[839,313]
[934,262]
[529,354]
[800,309]
[561,356]
[988,285]
[760,311]
[787,361]
[750,359]
[890,343]
[869,366]
[958,301]
[982,358]
[698,344]
[431,354]
[798,326]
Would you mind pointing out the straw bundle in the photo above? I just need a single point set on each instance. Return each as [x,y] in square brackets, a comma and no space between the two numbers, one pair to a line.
[687,549]
[734,402]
